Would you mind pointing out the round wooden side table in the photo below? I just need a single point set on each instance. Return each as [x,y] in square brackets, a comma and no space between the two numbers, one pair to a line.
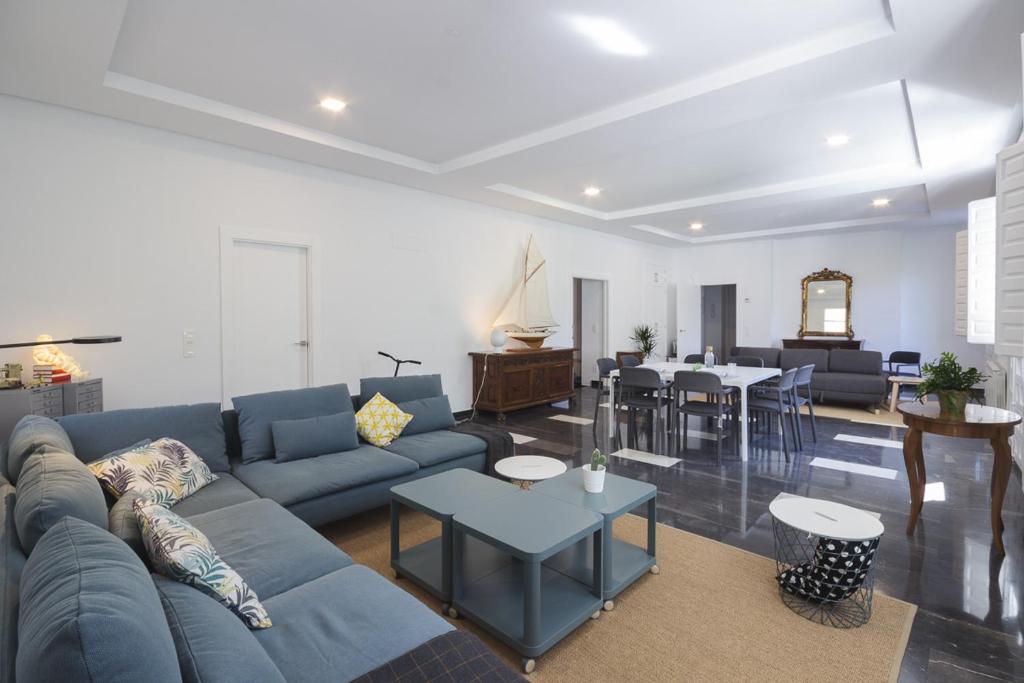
[980,422]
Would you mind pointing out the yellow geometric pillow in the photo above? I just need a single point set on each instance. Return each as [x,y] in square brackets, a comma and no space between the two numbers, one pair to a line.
[380,421]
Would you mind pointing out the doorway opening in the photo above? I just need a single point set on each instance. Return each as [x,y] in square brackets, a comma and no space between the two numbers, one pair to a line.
[589,324]
[718,319]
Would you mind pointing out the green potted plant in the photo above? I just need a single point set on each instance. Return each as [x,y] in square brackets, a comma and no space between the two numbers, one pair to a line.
[593,474]
[951,382]
[645,340]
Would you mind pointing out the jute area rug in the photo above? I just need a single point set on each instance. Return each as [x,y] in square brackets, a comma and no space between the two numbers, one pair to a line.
[712,614]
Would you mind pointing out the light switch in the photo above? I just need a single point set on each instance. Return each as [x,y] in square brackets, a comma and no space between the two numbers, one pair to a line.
[188,344]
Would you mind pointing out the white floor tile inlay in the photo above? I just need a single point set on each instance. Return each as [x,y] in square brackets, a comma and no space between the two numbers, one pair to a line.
[870,441]
[644,456]
[521,438]
[855,467]
[699,434]
[573,419]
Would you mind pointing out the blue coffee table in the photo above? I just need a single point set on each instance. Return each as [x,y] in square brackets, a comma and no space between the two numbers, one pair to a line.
[441,496]
[525,604]
[623,562]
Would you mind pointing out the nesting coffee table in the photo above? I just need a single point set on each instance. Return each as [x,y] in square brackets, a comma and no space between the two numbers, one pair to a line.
[528,566]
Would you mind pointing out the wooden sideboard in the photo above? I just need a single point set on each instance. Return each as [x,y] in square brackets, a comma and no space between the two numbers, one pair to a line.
[520,379]
[827,344]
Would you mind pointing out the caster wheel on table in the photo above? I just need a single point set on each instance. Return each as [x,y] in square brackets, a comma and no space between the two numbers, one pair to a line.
[398,577]
[529,665]
[655,569]
[609,605]
[453,613]
[596,615]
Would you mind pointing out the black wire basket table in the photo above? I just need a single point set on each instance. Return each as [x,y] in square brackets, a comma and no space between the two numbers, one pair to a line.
[824,556]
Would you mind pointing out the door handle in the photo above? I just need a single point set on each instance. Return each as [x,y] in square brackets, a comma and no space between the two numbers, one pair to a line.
[301,343]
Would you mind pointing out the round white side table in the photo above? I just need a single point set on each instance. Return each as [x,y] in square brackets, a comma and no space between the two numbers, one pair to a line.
[824,556]
[526,469]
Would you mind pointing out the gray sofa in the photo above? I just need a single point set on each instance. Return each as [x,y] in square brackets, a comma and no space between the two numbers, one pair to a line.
[77,601]
[840,375]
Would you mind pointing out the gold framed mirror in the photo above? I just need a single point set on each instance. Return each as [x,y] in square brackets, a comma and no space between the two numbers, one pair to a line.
[825,307]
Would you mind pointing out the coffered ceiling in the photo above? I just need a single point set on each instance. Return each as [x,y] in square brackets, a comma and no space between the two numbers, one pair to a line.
[682,114]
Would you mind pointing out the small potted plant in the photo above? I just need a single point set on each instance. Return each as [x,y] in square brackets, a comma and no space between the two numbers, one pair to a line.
[645,340]
[951,382]
[593,474]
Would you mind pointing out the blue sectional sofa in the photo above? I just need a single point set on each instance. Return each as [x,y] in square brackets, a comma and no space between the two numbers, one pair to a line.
[77,600]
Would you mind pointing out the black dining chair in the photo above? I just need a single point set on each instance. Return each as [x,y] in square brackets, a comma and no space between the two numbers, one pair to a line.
[629,361]
[904,359]
[641,390]
[716,407]
[604,367]
[773,401]
[693,358]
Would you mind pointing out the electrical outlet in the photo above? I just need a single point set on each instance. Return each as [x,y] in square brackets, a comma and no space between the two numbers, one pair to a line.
[188,344]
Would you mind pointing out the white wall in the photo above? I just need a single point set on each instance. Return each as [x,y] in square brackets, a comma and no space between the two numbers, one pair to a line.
[902,286]
[111,227]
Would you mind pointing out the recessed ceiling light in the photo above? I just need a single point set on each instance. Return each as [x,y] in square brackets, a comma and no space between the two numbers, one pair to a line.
[592,191]
[880,203]
[696,226]
[331,104]
[608,35]
[837,140]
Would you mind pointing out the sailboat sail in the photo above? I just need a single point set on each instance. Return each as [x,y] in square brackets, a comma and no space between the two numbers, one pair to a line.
[529,307]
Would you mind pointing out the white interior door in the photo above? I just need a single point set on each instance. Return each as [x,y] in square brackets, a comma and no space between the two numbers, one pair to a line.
[655,302]
[266,311]
[688,319]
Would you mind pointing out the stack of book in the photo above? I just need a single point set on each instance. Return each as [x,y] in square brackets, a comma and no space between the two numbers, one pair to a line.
[48,374]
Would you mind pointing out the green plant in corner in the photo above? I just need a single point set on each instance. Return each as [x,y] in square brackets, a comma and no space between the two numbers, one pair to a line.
[950,381]
[645,339]
[598,459]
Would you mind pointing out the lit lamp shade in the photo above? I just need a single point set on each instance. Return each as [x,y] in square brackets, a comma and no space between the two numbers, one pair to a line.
[498,339]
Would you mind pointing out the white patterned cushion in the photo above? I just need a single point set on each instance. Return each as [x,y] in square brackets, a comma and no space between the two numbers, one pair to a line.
[380,421]
[182,552]
[165,471]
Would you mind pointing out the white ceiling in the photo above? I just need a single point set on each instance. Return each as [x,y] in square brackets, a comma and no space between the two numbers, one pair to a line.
[718,115]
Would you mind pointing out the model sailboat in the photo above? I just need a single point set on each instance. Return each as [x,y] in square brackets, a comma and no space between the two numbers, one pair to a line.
[527,315]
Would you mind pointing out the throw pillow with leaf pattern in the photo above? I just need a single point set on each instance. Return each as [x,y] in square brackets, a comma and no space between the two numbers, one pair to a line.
[380,421]
[182,552]
[165,471]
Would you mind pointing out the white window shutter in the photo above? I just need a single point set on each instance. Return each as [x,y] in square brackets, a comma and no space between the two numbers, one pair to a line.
[960,286]
[981,271]
[1009,312]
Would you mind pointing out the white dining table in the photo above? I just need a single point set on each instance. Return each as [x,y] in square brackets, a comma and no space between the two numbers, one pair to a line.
[741,377]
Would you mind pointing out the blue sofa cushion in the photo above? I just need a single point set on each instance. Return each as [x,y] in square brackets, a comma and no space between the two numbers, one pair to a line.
[768,354]
[212,644]
[54,484]
[227,490]
[198,426]
[400,389]
[428,415]
[256,412]
[298,439]
[350,621]
[33,432]
[437,447]
[89,612]
[12,560]
[269,546]
[123,524]
[301,480]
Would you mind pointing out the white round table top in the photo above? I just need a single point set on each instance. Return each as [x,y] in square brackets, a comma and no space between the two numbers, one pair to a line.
[529,467]
[825,518]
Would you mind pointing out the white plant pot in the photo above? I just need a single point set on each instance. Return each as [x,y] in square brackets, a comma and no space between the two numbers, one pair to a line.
[593,481]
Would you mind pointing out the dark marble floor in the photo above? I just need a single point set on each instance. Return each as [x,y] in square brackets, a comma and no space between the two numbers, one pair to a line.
[969,623]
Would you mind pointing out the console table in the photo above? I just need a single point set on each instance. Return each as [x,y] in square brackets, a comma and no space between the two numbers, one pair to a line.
[521,379]
[827,344]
